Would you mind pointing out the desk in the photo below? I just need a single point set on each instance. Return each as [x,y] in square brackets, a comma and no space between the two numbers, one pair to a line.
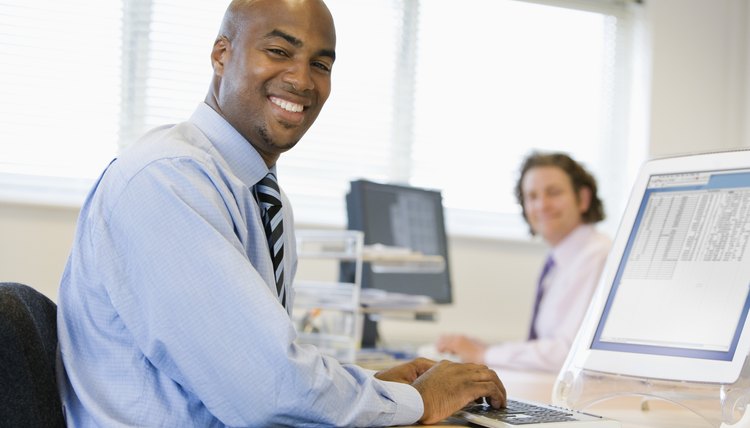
[537,386]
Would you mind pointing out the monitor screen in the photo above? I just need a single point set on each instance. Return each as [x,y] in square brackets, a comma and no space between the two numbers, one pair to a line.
[674,297]
[401,216]
[686,267]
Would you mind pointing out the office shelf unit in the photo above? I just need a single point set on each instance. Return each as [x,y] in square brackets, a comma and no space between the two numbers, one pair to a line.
[328,314]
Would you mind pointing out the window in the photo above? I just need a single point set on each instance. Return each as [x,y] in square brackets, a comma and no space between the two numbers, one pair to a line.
[424,93]
[492,86]
[59,86]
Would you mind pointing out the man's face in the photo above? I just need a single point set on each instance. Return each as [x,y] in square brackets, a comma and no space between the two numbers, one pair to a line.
[276,72]
[552,207]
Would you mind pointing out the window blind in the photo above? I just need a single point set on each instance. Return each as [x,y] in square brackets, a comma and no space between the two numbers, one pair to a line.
[59,86]
[520,76]
[424,93]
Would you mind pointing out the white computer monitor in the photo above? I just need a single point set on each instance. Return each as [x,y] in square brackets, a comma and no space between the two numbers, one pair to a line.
[674,295]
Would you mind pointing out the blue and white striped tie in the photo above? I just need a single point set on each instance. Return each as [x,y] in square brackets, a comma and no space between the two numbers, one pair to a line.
[269,199]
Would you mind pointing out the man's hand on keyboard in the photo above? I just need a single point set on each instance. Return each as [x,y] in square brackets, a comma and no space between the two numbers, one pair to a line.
[448,386]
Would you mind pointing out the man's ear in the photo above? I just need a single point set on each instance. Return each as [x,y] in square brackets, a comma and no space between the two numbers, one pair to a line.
[584,199]
[219,55]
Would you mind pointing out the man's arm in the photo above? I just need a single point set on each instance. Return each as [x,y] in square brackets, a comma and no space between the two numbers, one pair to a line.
[202,315]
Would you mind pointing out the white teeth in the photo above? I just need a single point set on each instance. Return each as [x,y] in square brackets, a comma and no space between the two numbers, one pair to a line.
[286,105]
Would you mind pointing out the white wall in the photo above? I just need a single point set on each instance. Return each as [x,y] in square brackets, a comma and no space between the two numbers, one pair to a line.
[35,244]
[699,75]
[697,100]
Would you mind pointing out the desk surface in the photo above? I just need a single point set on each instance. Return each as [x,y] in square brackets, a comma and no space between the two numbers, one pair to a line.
[536,386]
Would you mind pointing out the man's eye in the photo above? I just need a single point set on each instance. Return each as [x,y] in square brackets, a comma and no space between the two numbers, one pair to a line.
[321,65]
[277,51]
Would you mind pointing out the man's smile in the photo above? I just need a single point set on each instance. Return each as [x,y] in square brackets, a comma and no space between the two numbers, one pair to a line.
[287,105]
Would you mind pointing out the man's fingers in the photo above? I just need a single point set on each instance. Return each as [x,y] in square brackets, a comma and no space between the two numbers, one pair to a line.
[423,364]
[491,385]
[494,395]
[448,386]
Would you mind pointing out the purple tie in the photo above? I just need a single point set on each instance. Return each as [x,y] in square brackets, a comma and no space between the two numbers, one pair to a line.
[539,292]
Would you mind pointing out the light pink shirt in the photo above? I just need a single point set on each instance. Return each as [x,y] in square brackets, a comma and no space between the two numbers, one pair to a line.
[579,259]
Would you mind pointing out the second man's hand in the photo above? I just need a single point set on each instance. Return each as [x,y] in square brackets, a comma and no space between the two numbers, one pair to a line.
[468,349]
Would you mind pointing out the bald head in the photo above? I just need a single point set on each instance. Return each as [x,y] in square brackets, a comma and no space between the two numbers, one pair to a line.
[233,17]
[237,9]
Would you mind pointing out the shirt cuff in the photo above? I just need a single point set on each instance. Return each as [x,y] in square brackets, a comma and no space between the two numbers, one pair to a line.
[409,405]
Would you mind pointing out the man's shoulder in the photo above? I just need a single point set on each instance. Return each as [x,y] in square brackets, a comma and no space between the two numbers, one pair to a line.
[587,250]
[165,142]
[164,149]
[601,242]
[162,156]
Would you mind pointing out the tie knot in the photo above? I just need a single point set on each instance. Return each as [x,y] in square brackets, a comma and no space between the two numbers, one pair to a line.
[268,191]
[548,265]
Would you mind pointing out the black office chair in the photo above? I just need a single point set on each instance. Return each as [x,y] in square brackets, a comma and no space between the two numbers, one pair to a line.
[28,343]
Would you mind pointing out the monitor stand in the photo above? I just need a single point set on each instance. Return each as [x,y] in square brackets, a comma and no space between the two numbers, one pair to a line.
[370,335]
[720,405]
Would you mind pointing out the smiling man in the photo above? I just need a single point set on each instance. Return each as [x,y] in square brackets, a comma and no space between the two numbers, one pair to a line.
[559,201]
[174,305]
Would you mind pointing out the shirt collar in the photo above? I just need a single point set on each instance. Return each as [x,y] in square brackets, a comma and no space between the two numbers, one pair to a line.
[236,151]
[568,248]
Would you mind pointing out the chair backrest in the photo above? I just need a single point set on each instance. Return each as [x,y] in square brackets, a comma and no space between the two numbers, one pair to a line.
[28,346]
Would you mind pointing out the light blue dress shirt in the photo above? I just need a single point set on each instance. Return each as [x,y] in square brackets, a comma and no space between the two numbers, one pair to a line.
[168,313]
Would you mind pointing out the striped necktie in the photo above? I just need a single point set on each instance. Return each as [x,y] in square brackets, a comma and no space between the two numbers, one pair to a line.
[269,199]
[539,293]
